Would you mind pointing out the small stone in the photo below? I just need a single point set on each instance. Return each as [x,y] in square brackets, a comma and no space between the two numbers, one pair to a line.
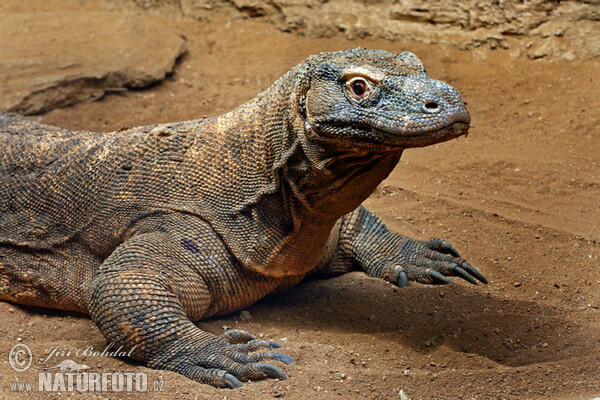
[517,284]
[10,309]
[245,315]
[284,339]
[545,345]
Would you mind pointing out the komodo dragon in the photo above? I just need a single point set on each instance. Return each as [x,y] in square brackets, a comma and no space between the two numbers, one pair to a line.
[152,228]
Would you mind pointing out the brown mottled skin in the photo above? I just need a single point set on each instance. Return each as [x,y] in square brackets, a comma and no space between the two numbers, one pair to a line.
[152,228]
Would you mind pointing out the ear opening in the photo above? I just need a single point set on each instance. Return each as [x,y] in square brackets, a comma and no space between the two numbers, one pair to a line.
[302,106]
[298,98]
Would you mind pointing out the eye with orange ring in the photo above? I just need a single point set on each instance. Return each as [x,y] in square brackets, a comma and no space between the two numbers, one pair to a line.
[359,87]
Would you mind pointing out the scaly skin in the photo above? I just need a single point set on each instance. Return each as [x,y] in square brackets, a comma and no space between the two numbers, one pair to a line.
[153,228]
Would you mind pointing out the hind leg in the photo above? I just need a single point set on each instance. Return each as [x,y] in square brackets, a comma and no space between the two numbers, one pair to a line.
[56,279]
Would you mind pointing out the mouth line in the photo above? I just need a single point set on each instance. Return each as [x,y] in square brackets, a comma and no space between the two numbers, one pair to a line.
[461,127]
[427,138]
[399,139]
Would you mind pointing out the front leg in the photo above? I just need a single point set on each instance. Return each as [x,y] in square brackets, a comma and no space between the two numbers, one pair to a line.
[147,293]
[365,241]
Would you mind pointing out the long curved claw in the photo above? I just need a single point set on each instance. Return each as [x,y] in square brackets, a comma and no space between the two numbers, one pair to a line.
[272,371]
[402,280]
[439,278]
[471,270]
[463,274]
[232,382]
[443,247]
[284,358]
[451,250]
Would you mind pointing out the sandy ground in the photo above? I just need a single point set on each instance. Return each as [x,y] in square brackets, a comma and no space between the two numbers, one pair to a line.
[519,197]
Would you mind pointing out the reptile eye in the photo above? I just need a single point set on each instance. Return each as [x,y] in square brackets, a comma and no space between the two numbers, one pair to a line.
[359,87]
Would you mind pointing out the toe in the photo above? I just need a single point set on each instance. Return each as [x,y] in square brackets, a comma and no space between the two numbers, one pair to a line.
[442,246]
[254,345]
[463,274]
[438,278]
[238,336]
[402,279]
[231,381]
[212,376]
[271,371]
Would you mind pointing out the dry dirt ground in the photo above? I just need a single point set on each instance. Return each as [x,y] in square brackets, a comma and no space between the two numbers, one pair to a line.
[519,197]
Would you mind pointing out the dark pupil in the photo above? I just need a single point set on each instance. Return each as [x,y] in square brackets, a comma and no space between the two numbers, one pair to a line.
[358,88]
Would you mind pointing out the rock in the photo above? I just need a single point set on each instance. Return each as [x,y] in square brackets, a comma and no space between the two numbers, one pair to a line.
[467,24]
[48,60]
[245,315]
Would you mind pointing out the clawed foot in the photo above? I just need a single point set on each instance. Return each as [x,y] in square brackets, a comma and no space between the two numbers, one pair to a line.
[226,361]
[430,261]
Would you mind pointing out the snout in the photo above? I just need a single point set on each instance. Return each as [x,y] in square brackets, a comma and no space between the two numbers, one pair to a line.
[441,98]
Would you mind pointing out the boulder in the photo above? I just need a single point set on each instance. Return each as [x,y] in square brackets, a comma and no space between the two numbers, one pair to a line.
[53,59]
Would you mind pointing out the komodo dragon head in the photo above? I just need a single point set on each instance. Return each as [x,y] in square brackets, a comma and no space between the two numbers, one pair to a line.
[378,99]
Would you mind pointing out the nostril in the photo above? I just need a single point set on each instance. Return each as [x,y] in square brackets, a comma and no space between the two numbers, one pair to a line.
[431,105]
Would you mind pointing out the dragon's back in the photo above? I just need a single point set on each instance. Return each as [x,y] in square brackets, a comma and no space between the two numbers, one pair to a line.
[48,178]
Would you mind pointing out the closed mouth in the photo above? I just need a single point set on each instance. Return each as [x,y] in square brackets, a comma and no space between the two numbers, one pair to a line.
[422,139]
[405,139]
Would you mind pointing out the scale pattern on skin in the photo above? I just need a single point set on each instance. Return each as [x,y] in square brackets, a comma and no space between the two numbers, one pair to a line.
[152,228]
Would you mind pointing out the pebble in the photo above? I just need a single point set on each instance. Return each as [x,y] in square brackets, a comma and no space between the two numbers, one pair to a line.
[245,315]
[517,284]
